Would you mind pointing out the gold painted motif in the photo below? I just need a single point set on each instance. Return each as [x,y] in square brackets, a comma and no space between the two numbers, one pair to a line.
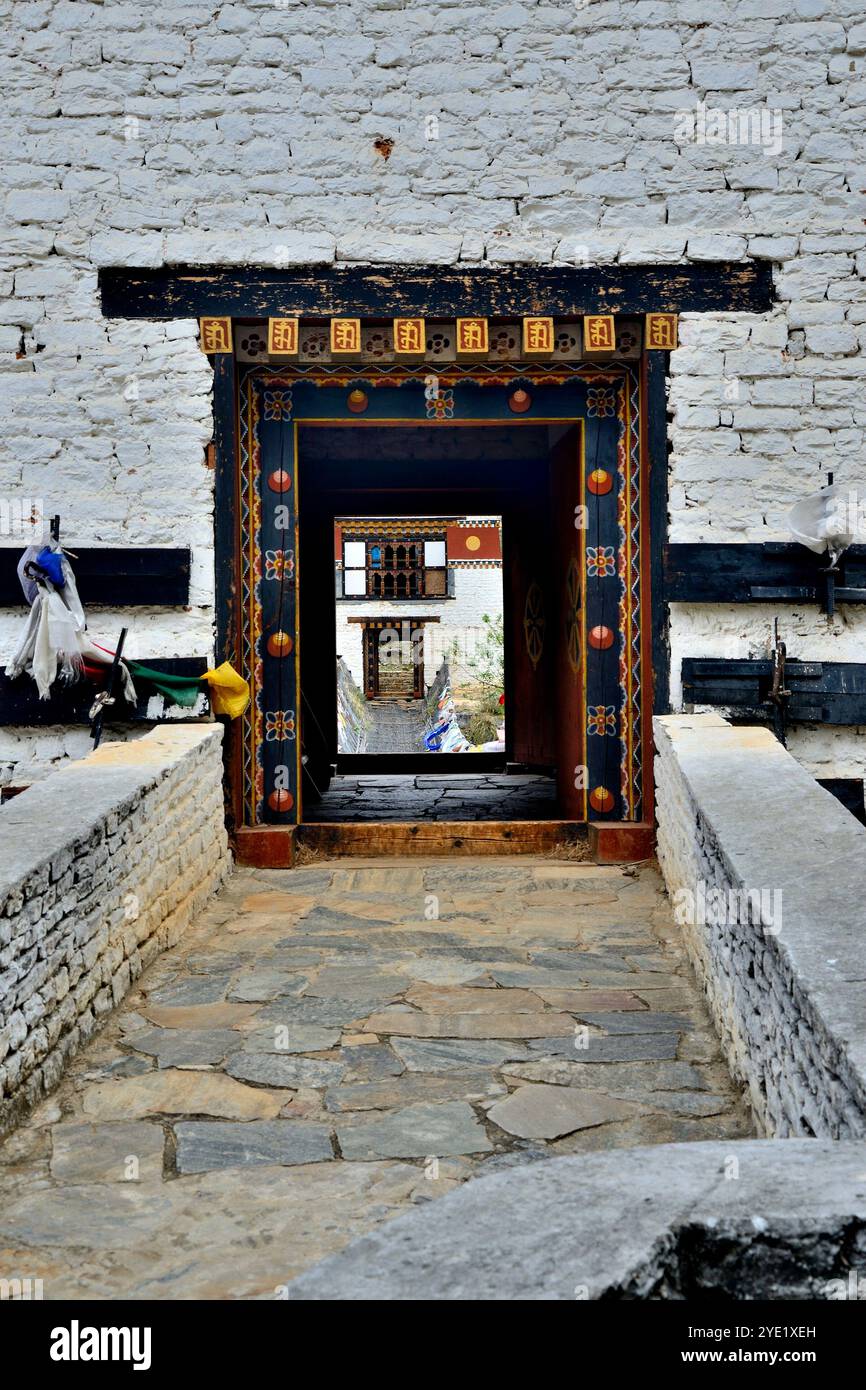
[410,340]
[473,340]
[216,334]
[283,337]
[538,340]
[598,333]
[345,338]
[661,331]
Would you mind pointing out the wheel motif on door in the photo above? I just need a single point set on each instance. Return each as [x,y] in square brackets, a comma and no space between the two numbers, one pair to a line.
[534,622]
[572,614]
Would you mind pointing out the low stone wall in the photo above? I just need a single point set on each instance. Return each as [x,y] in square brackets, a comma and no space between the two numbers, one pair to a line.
[103,865]
[767,876]
[744,1219]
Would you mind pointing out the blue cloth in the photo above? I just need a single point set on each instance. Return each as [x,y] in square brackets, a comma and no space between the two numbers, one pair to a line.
[51,561]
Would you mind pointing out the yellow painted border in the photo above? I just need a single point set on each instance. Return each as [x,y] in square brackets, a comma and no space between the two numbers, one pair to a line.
[289,377]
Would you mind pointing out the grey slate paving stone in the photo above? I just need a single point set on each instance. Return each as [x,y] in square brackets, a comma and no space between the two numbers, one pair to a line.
[321,947]
[357,982]
[413,1087]
[216,962]
[416,1131]
[300,880]
[306,1037]
[694,1103]
[639,1021]
[329,1013]
[186,1047]
[286,957]
[454,1054]
[266,982]
[629,1047]
[398,939]
[204,1145]
[494,953]
[577,976]
[643,1078]
[537,977]
[524,1151]
[649,963]
[577,960]
[191,989]
[83,1153]
[279,1070]
[456,878]
[120,1066]
[546,1112]
[323,919]
[370,1062]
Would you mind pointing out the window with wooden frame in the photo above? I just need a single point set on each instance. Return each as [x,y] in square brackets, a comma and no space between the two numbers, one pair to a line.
[395,567]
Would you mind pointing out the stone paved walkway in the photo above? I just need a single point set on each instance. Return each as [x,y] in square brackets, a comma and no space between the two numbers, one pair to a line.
[439,796]
[396,726]
[330,1044]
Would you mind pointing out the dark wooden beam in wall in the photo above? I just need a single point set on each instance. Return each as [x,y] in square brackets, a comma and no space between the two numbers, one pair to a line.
[775,572]
[20,702]
[132,576]
[822,692]
[437,292]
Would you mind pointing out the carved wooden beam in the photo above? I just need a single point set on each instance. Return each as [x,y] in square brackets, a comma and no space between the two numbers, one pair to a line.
[382,291]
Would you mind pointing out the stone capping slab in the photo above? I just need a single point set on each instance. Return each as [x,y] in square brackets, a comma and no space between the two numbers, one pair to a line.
[757,820]
[617,1224]
[103,864]
[63,810]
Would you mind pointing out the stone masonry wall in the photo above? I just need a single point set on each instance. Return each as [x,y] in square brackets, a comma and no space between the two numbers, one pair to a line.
[104,864]
[778,960]
[399,131]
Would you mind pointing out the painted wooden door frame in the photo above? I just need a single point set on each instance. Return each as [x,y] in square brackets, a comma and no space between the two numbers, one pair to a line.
[272,382]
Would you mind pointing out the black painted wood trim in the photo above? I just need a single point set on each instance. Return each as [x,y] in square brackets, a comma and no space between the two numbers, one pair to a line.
[822,692]
[656,439]
[320,291]
[118,578]
[20,703]
[775,572]
[226,507]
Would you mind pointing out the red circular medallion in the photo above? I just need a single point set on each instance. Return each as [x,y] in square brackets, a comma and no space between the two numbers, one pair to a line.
[357,402]
[519,401]
[279,644]
[599,481]
[279,480]
[600,799]
[601,638]
[281,801]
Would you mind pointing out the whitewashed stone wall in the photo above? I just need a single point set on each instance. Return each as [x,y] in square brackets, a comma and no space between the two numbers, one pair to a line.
[477,592]
[767,877]
[104,864]
[526,133]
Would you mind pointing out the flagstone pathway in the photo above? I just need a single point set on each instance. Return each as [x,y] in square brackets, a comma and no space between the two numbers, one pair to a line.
[442,796]
[396,726]
[331,1044]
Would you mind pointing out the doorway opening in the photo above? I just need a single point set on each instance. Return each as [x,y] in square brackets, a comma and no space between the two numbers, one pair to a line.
[367,459]
[420,636]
